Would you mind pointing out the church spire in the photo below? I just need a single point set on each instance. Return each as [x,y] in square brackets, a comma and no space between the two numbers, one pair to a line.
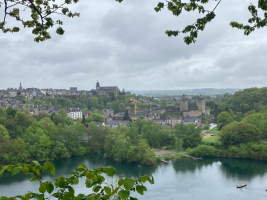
[20,86]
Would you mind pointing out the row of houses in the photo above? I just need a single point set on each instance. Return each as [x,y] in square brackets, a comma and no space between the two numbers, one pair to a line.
[173,120]
[30,93]
[6,102]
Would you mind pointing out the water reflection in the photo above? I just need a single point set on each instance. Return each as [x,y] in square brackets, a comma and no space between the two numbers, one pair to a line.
[190,165]
[243,169]
[230,168]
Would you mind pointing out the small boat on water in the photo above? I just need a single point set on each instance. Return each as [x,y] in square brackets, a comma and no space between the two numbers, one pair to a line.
[241,185]
[164,161]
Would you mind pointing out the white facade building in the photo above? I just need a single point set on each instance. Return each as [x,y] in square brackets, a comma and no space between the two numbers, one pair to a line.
[74,113]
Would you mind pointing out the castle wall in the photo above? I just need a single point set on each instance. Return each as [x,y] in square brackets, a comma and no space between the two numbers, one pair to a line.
[172,109]
[192,113]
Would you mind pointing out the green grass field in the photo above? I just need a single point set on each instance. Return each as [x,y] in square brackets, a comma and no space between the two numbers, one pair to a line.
[214,131]
[214,140]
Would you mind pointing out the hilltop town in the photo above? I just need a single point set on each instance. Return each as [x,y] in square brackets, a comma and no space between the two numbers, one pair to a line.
[152,107]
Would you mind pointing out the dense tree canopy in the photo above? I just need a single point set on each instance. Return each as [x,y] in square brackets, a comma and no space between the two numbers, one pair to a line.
[223,119]
[238,133]
[246,100]
[40,17]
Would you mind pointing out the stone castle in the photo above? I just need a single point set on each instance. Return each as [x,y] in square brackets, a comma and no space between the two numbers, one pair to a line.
[194,111]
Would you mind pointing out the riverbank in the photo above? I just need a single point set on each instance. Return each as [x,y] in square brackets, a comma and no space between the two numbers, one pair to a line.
[169,155]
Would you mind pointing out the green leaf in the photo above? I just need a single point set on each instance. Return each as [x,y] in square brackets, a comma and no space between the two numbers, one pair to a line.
[91,197]
[42,187]
[82,166]
[120,182]
[3,169]
[110,171]
[140,189]
[34,179]
[60,182]
[39,196]
[49,188]
[143,179]
[16,170]
[71,190]
[28,196]
[89,183]
[133,198]
[4,198]
[60,31]
[75,180]
[124,194]
[100,179]
[107,190]
[50,167]
[91,175]
[128,183]
[96,188]
[25,170]
[67,196]
[35,163]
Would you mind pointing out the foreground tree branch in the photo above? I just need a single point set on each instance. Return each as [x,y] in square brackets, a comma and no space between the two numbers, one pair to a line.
[121,189]
[191,31]
[39,21]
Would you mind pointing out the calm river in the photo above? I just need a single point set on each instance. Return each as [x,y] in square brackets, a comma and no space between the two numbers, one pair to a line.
[185,179]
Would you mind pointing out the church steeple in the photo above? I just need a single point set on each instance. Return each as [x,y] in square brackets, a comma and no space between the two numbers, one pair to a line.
[20,86]
[97,85]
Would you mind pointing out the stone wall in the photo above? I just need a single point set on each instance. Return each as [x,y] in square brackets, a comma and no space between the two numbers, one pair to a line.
[192,113]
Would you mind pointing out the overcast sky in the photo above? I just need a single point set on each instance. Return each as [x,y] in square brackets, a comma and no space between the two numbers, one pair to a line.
[125,45]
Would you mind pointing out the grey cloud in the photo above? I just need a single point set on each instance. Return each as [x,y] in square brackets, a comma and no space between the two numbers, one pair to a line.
[125,45]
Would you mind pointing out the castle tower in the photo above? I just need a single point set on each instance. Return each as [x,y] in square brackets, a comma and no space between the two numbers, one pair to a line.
[201,104]
[97,86]
[183,103]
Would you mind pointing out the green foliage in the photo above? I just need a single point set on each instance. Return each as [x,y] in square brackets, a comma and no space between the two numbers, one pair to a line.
[62,187]
[97,117]
[120,148]
[213,141]
[93,103]
[205,127]
[204,151]
[238,133]
[126,115]
[10,112]
[259,120]
[246,100]
[223,119]
[189,134]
